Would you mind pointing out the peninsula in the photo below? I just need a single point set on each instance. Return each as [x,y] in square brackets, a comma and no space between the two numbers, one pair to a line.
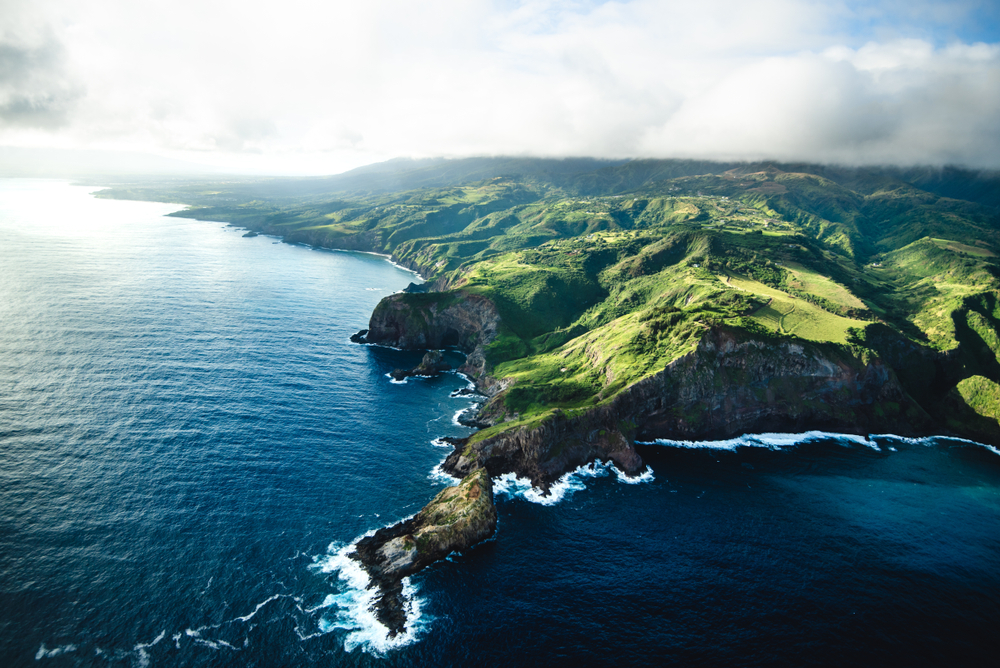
[601,303]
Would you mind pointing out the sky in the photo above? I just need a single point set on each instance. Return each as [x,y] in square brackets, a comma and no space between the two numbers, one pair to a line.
[319,87]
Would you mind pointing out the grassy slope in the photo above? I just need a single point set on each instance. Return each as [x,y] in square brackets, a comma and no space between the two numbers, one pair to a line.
[604,274]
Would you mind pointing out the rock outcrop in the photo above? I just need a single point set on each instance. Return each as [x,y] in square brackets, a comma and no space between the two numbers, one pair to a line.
[431,365]
[455,519]
[436,320]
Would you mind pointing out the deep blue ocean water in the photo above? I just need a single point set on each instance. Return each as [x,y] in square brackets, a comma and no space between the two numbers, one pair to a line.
[188,442]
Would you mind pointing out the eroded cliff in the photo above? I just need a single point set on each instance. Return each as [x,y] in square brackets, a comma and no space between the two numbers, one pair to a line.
[417,321]
[730,385]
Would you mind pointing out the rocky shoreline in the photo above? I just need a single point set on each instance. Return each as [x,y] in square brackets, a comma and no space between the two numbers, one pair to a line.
[732,383]
[457,518]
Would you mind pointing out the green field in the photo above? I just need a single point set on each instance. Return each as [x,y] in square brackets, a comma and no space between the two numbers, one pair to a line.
[786,314]
[815,283]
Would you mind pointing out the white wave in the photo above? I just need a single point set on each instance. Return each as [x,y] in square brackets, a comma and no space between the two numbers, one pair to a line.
[933,440]
[394,381]
[511,486]
[44,653]
[439,476]
[353,606]
[908,440]
[441,443]
[645,476]
[142,647]
[458,413]
[775,441]
[327,602]
[771,441]
[376,345]
[387,257]
[247,618]
[469,385]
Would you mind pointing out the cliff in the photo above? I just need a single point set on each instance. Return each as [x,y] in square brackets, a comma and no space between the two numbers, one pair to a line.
[455,519]
[731,384]
[436,320]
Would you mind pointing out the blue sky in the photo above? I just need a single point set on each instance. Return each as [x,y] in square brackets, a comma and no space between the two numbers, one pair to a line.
[313,87]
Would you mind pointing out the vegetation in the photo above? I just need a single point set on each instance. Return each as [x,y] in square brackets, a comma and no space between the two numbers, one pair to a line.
[605,271]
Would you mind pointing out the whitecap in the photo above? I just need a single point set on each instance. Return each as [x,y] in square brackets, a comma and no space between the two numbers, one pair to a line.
[512,486]
[44,653]
[248,617]
[350,609]
[394,381]
[142,647]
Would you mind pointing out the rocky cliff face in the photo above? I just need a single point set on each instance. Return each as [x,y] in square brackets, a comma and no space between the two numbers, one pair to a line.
[455,519]
[730,385]
[733,384]
[437,320]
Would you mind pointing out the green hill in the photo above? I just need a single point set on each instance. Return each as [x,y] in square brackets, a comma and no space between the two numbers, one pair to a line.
[603,272]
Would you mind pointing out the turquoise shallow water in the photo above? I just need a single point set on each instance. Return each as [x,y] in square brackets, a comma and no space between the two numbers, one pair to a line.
[188,441]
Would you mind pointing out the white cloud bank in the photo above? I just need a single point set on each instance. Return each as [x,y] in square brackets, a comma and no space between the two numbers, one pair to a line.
[302,86]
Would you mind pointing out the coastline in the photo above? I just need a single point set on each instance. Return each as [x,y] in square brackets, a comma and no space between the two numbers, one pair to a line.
[555,482]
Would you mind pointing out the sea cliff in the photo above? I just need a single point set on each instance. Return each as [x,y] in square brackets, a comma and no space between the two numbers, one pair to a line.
[733,382]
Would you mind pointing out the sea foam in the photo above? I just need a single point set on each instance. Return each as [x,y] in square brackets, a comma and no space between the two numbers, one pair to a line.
[351,608]
[771,441]
[511,486]
[45,653]
[778,441]
[439,476]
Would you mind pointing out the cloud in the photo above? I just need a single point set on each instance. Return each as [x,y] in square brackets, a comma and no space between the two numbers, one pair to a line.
[309,86]
[35,87]
[904,102]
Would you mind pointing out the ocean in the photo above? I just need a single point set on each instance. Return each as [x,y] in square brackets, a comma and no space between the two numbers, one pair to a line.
[189,444]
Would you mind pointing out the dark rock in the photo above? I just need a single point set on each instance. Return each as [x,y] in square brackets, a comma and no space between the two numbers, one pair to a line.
[359,337]
[456,519]
[470,418]
[251,233]
[432,365]
[413,287]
